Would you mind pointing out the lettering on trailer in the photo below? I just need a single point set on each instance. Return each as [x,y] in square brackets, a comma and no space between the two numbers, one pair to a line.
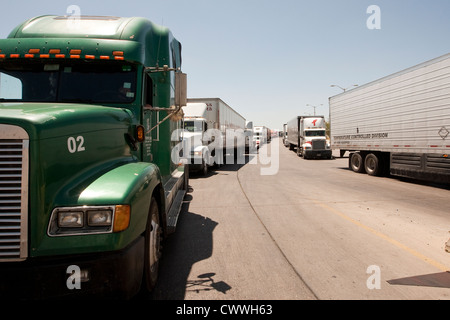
[314,122]
[380,135]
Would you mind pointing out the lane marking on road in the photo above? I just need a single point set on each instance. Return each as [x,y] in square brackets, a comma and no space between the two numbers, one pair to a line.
[384,237]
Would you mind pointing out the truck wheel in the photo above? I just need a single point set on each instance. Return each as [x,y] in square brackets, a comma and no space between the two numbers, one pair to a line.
[153,248]
[186,177]
[357,163]
[204,168]
[372,165]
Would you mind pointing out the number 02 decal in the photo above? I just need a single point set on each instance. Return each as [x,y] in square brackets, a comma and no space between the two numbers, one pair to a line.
[75,144]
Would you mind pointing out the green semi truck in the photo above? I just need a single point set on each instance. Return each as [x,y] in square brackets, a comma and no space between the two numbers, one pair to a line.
[89,116]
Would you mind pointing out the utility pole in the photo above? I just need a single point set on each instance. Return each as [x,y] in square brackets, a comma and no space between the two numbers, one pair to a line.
[308,105]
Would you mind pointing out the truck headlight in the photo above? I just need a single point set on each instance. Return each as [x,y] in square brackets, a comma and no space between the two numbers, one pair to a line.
[99,217]
[70,219]
[83,220]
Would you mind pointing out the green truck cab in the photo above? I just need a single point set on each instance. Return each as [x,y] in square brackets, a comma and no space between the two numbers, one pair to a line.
[88,121]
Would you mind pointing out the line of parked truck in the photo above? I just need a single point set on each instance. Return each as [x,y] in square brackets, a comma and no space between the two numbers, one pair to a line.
[216,134]
[89,124]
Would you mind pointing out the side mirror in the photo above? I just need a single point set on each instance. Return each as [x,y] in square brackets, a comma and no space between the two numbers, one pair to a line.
[180,89]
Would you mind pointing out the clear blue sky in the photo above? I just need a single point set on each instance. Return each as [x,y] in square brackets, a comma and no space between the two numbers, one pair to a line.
[269,59]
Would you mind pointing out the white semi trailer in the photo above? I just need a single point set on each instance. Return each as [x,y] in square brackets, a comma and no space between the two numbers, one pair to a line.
[213,130]
[399,124]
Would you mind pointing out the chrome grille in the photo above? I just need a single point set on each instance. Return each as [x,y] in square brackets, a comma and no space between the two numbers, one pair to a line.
[318,144]
[13,193]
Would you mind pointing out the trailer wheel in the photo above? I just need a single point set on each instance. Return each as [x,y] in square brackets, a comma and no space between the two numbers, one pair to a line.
[372,165]
[153,248]
[357,163]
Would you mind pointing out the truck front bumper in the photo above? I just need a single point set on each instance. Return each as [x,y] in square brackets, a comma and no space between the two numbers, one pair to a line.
[195,164]
[116,274]
[318,154]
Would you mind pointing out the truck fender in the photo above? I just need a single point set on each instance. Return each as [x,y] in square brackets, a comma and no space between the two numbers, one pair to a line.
[132,184]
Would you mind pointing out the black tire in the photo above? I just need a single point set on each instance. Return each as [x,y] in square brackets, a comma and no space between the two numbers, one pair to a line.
[186,177]
[372,165]
[204,168]
[357,163]
[153,247]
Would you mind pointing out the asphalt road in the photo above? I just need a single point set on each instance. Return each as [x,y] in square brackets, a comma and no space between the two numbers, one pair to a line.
[296,229]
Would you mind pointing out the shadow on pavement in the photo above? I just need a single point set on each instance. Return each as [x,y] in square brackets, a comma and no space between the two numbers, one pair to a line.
[191,243]
[439,280]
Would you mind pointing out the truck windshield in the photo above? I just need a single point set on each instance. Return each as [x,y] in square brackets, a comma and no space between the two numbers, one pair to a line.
[193,126]
[92,82]
[315,133]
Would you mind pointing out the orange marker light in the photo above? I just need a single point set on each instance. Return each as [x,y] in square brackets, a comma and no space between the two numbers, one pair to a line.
[34,50]
[104,57]
[121,218]
[140,133]
[54,51]
[75,51]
